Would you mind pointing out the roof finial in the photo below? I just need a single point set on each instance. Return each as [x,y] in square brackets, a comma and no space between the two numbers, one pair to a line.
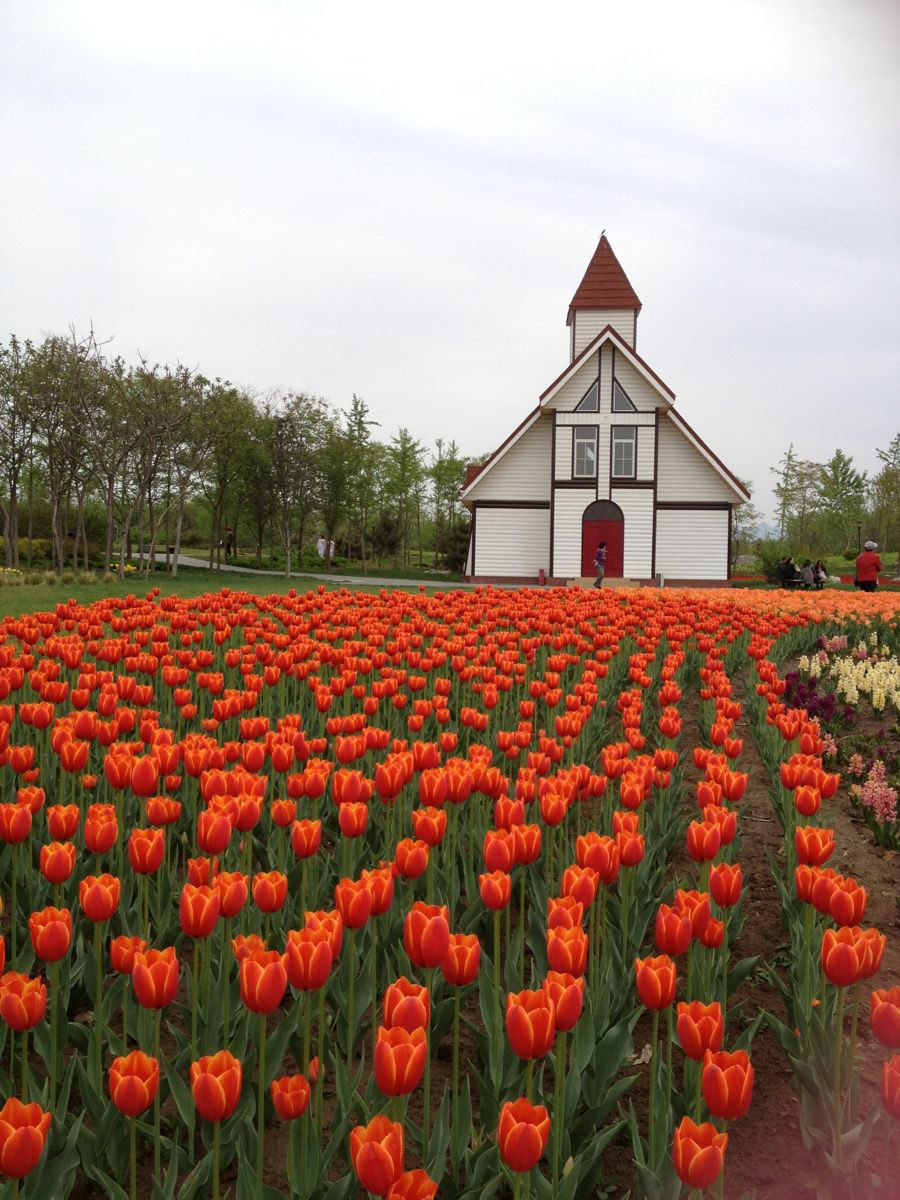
[603,233]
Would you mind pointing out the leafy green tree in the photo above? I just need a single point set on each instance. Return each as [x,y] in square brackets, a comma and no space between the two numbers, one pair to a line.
[745,519]
[842,497]
[362,464]
[403,484]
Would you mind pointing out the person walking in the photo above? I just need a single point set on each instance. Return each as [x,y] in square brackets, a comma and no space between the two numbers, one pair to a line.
[229,542]
[600,564]
[868,564]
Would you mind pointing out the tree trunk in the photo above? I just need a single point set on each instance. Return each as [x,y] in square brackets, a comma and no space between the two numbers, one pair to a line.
[110,524]
[179,520]
[58,559]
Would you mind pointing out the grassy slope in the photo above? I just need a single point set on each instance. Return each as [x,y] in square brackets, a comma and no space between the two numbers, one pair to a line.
[44,598]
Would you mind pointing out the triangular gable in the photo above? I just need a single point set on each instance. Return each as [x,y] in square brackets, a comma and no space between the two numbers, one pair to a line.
[711,458]
[608,334]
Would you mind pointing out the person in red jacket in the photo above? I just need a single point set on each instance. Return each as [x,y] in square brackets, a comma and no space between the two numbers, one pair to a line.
[868,564]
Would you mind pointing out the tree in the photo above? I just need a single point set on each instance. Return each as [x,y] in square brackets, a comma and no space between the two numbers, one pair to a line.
[361,473]
[405,476]
[885,496]
[446,472]
[334,465]
[745,519]
[842,497]
[16,438]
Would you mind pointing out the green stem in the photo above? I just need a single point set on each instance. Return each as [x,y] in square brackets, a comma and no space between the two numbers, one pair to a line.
[455,1076]
[351,999]
[14,924]
[497,1013]
[132,1155]
[522,878]
[215,1169]
[320,1082]
[697,1091]
[145,905]
[426,1095]
[559,1106]
[651,1123]
[54,1005]
[261,1104]
[195,998]
[157,1149]
[374,1013]
[24,1064]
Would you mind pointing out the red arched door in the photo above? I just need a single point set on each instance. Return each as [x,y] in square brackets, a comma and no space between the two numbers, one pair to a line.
[602,522]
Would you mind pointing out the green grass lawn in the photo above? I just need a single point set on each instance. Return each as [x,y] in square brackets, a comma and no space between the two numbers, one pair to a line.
[190,582]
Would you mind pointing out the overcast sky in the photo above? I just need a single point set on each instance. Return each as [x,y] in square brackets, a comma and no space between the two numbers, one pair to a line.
[399,200]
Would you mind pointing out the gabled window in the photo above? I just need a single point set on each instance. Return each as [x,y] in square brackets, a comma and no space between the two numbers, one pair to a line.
[621,401]
[624,443]
[584,453]
[590,401]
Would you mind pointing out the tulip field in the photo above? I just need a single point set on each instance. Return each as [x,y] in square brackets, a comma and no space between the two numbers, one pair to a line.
[326,894]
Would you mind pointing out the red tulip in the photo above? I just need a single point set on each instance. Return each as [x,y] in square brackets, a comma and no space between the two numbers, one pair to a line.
[290,1096]
[655,978]
[567,994]
[216,1085]
[155,977]
[23,1001]
[99,896]
[725,883]
[145,850]
[307,959]
[57,861]
[269,890]
[890,1086]
[353,899]
[406,1004]
[413,1185]
[399,1059]
[460,966]
[522,1134]
[426,934]
[700,1027]
[884,1014]
[133,1082]
[51,933]
[673,930]
[727,1082]
[23,1132]
[376,1151]
[530,1022]
[263,980]
[698,1153]
[198,910]
[495,889]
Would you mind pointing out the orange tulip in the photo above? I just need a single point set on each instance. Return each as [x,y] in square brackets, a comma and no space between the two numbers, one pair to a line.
[700,1027]
[353,899]
[263,980]
[567,950]
[567,994]
[522,1134]
[655,978]
[376,1151]
[307,959]
[698,1153]
[23,1001]
[426,934]
[884,1015]
[530,1022]
[133,1082]
[399,1059]
[406,1004]
[727,1082]
[216,1085]
[269,890]
[51,933]
[23,1132]
[145,850]
[460,965]
[57,861]
[290,1096]
[495,889]
[155,977]
[99,896]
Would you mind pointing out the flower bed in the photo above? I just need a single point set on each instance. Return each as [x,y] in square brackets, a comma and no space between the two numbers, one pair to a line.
[412,893]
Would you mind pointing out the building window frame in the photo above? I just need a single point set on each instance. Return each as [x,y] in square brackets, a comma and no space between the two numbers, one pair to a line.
[586,435]
[624,436]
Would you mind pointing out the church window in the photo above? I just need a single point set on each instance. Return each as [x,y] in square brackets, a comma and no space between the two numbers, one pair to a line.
[584,464]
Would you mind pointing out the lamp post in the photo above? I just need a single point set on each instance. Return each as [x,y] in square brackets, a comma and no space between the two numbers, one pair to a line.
[858,537]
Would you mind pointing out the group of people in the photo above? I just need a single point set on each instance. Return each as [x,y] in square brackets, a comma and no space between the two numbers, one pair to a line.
[324,547]
[807,577]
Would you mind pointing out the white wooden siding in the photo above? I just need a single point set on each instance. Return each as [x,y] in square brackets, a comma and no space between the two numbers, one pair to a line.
[588,323]
[646,437]
[692,543]
[641,394]
[563,467]
[569,506]
[682,473]
[637,508]
[512,541]
[571,392]
[606,358]
[523,473]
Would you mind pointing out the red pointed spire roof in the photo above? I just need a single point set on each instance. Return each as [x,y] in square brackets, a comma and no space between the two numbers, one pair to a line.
[605,284]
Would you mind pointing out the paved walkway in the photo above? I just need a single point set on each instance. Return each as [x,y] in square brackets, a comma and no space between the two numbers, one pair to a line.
[188,560]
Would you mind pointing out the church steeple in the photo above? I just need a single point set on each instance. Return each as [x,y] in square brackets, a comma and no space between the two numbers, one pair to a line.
[604,297]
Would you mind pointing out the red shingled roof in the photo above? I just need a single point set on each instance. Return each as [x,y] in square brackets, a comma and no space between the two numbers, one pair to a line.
[605,284]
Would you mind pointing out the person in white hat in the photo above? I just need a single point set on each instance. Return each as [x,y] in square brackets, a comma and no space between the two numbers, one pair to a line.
[868,564]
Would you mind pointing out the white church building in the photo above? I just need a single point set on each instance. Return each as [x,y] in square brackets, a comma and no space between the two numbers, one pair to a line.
[604,456]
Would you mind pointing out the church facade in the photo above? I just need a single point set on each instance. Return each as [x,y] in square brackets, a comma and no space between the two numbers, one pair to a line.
[603,456]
